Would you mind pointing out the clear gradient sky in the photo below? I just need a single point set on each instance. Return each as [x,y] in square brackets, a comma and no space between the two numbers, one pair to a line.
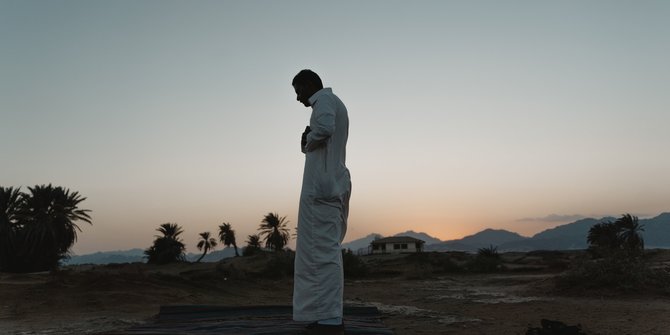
[517,115]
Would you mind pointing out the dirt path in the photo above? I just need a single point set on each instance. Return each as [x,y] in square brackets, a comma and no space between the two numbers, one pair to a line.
[495,304]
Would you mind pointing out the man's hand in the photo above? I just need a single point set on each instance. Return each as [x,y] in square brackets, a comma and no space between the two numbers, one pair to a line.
[303,141]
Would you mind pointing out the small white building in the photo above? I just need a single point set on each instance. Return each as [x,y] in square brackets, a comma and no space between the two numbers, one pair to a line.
[396,244]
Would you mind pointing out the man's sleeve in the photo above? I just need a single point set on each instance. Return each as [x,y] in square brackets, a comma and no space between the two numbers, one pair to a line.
[324,123]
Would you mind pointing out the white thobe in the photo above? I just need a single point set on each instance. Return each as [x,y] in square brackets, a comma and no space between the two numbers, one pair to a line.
[324,208]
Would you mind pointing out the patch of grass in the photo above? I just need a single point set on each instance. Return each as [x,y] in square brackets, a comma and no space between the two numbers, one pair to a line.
[354,267]
[555,260]
[439,261]
[427,264]
[484,264]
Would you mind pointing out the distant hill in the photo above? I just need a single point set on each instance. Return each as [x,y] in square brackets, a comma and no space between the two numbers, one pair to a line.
[492,236]
[577,229]
[569,236]
[482,239]
[214,256]
[137,256]
[422,236]
[108,257]
[361,244]
[656,234]
[657,231]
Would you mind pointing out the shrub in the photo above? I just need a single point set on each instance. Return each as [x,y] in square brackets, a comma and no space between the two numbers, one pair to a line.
[490,252]
[250,251]
[484,264]
[354,267]
[433,263]
[556,260]
[487,260]
[623,273]
[280,264]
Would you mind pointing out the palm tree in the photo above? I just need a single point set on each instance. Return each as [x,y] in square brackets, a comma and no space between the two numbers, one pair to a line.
[170,230]
[253,245]
[275,231]
[10,202]
[254,241]
[227,236]
[624,234]
[630,233]
[48,226]
[167,248]
[205,243]
[604,235]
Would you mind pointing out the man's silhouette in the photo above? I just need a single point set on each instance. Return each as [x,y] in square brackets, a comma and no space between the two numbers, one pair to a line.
[324,208]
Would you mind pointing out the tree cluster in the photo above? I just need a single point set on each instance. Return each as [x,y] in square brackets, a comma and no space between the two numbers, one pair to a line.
[169,248]
[38,228]
[617,260]
[623,236]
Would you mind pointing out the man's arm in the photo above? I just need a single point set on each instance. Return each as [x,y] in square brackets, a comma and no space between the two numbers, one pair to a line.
[324,123]
[303,140]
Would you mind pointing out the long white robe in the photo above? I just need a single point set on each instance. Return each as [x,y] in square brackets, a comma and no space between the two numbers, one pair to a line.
[324,208]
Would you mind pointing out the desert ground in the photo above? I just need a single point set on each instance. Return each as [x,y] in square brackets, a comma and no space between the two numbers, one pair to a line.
[415,295]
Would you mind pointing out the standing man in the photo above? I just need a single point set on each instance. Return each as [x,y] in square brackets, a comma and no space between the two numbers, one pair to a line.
[324,208]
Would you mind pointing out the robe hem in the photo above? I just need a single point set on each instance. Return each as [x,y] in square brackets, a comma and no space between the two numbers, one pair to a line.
[311,317]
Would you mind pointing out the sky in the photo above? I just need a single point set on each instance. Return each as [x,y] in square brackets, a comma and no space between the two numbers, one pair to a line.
[464,115]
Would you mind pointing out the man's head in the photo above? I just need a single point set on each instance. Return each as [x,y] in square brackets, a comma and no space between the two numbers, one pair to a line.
[305,84]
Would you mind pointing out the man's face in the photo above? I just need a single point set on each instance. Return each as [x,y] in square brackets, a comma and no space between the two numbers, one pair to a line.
[303,93]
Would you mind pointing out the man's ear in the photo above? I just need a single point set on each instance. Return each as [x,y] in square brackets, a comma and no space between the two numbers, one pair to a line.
[311,87]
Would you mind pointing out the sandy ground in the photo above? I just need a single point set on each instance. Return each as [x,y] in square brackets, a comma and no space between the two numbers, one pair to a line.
[90,299]
[504,304]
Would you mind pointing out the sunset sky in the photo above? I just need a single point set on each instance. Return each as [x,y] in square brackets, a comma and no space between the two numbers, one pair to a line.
[518,115]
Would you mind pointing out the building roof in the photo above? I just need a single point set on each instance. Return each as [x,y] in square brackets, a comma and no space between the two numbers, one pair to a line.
[398,239]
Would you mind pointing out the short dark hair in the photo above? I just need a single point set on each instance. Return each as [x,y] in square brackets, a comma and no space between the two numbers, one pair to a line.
[307,76]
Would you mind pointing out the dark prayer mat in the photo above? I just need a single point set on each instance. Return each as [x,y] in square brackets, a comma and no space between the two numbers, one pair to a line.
[248,320]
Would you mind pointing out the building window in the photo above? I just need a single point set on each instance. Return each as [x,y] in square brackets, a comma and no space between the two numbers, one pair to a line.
[396,246]
[403,246]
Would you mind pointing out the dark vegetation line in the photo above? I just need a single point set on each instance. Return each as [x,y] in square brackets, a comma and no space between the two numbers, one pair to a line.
[38,228]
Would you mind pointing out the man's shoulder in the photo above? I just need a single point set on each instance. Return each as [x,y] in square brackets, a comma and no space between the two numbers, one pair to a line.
[324,93]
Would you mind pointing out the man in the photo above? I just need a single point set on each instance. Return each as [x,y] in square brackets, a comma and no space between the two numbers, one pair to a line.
[324,208]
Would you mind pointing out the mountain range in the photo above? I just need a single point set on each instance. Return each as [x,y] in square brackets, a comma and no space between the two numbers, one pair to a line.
[569,236]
